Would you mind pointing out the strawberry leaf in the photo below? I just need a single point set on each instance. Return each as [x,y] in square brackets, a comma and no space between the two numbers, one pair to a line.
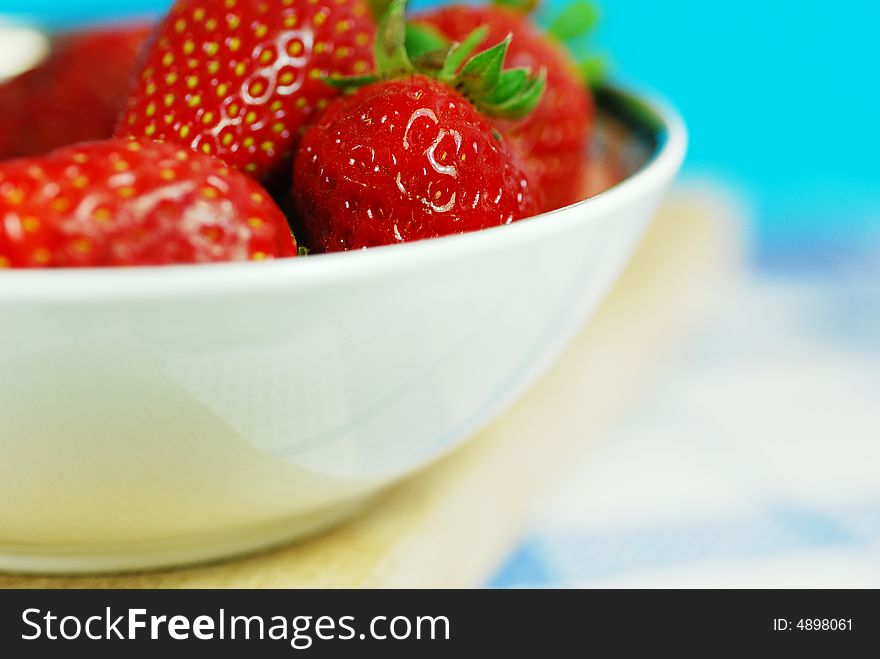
[523,6]
[404,49]
[576,20]
[482,71]
[459,53]
[593,71]
[510,83]
[523,101]
[421,39]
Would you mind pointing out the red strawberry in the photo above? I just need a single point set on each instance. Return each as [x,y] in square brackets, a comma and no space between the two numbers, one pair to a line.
[75,95]
[554,136]
[133,203]
[240,78]
[410,157]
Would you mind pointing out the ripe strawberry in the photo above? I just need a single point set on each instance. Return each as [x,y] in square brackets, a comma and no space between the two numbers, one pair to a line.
[409,157]
[240,78]
[133,203]
[75,95]
[555,135]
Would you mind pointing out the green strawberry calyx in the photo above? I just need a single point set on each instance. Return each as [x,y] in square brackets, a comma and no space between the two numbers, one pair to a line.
[522,6]
[577,19]
[572,24]
[481,77]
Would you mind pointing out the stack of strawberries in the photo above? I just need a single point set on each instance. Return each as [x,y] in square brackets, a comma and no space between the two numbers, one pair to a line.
[183,143]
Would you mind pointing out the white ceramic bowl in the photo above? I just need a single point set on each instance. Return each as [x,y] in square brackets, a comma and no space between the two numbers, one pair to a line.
[157,416]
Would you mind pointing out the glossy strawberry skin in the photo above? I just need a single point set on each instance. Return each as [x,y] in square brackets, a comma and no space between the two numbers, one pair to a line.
[554,136]
[75,95]
[118,202]
[405,160]
[239,79]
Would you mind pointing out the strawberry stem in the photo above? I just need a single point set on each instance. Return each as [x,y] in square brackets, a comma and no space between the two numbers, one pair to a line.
[391,55]
[378,7]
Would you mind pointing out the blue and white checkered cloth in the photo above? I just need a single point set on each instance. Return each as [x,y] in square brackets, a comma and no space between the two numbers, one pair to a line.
[751,460]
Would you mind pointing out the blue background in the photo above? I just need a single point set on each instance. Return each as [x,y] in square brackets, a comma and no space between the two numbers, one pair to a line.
[782,97]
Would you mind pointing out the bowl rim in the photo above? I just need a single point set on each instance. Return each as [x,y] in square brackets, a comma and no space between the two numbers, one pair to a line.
[206,279]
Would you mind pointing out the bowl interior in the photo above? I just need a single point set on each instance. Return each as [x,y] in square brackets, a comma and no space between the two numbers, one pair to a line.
[628,134]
